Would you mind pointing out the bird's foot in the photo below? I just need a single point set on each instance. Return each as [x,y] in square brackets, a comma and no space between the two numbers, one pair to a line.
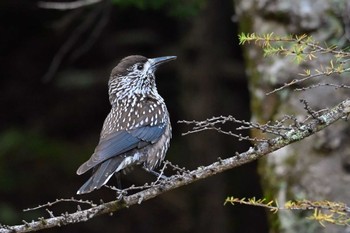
[120,193]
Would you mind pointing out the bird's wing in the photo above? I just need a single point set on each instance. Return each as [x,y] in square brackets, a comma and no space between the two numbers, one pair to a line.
[122,141]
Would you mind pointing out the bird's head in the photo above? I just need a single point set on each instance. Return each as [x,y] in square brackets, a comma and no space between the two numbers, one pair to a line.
[134,76]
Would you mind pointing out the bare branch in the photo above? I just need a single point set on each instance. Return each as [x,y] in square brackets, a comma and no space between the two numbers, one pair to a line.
[187,177]
[95,33]
[99,15]
[294,81]
[335,86]
[309,110]
[277,128]
[67,5]
[307,77]
[61,200]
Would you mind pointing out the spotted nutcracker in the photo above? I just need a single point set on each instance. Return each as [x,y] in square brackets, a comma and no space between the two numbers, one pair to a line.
[137,130]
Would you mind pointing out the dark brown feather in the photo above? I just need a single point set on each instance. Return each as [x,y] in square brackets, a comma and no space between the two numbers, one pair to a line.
[125,63]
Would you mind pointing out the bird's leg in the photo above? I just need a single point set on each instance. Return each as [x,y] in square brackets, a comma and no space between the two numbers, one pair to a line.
[120,192]
[119,180]
[120,195]
[158,175]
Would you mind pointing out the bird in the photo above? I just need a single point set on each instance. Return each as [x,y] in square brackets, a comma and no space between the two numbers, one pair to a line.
[137,130]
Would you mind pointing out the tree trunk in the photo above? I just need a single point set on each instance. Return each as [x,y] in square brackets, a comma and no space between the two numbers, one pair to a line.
[316,168]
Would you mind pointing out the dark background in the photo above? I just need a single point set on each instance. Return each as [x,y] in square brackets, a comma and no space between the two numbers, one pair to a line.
[50,118]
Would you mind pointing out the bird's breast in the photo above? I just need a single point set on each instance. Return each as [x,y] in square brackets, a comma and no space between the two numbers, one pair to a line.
[138,112]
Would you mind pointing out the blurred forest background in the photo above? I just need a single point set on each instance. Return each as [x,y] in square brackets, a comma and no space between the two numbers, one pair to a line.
[52,112]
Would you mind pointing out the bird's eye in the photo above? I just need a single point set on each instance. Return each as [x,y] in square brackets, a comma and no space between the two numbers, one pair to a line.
[140,66]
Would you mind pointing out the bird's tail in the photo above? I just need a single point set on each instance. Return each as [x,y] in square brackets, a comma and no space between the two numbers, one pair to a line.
[102,173]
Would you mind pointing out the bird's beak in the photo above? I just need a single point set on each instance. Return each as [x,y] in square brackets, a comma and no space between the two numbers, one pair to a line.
[155,62]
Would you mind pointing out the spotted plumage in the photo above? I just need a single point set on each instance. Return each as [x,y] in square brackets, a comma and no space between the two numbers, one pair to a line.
[137,130]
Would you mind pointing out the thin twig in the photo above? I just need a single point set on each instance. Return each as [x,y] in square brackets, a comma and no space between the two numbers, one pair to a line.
[335,86]
[72,199]
[277,127]
[297,81]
